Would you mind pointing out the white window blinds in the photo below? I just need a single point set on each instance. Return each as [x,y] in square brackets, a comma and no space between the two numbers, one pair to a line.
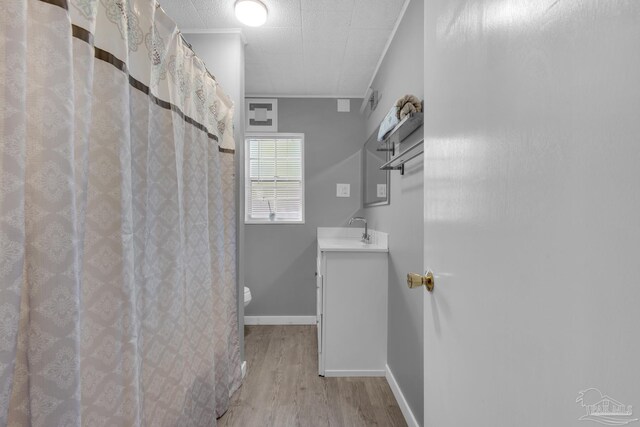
[274,178]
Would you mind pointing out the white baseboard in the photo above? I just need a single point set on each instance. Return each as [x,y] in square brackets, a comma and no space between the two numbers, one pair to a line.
[243,367]
[279,320]
[402,402]
[347,373]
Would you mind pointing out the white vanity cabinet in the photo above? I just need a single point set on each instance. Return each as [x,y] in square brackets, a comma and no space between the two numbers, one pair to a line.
[352,280]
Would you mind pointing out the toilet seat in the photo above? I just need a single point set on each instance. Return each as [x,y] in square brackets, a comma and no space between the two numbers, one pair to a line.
[247,296]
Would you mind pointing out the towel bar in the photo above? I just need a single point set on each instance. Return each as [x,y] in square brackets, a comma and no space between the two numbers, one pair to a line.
[397,162]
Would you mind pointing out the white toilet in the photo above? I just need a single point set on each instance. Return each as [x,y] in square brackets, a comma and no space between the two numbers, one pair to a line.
[247,296]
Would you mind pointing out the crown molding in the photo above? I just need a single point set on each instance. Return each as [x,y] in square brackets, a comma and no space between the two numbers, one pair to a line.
[282,95]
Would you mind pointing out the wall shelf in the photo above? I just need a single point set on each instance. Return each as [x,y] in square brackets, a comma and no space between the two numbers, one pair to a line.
[402,130]
[397,162]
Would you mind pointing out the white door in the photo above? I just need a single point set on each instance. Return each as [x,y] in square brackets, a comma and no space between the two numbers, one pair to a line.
[531,211]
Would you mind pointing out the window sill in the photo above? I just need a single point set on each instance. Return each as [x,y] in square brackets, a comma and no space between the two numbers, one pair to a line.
[266,221]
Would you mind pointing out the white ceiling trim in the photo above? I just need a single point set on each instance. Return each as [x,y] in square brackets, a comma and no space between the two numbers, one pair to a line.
[386,46]
[254,95]
[216,31]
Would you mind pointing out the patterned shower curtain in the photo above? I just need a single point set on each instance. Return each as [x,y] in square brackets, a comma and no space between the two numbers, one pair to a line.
[117,228]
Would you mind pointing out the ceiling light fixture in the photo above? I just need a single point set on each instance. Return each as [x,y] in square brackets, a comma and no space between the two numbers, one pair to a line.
[251,12]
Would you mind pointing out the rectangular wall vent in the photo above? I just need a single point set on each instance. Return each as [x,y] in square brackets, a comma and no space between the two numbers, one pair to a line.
[344,105]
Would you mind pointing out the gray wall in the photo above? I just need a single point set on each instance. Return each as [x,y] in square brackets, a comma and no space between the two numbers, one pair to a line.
[401,72]
[280,258]
[223,55]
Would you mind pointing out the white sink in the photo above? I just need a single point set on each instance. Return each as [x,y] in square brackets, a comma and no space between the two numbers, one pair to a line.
[347,239]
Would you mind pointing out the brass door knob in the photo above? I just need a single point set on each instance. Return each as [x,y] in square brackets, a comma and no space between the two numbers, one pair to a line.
[415,280]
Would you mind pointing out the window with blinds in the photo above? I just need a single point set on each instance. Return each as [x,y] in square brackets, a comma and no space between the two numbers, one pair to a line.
[274,178]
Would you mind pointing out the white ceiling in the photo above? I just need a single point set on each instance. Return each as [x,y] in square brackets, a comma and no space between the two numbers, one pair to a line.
[307,47]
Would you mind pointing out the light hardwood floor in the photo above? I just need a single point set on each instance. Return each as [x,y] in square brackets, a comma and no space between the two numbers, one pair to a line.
[282,387]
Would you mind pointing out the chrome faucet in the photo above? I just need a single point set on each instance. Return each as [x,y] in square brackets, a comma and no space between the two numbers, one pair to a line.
[366,238]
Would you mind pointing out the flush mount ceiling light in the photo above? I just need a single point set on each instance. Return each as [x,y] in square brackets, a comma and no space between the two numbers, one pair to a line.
[251,12]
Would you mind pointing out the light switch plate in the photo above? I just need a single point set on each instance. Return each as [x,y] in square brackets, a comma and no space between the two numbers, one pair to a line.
[381,190]
[343,190]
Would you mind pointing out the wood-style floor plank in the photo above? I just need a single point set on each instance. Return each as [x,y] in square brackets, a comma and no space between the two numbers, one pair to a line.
[282,387]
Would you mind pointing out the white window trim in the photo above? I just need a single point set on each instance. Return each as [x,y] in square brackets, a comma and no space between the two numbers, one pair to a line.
[249,135]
